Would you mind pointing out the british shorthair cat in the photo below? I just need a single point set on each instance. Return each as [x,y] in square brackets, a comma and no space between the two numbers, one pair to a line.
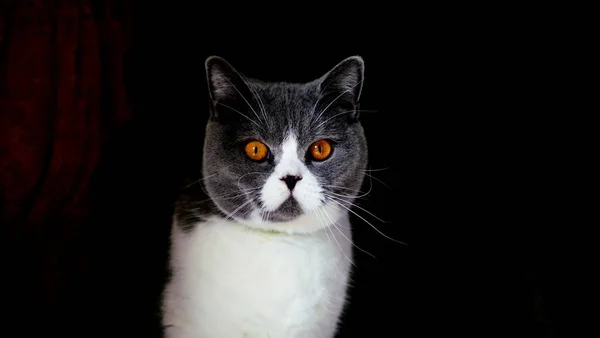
[261,245]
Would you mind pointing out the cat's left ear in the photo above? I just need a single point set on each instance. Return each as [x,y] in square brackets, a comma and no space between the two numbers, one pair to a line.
[345,79]
[229,92]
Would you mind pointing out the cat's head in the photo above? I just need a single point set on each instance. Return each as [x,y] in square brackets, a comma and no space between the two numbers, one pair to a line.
[284,156]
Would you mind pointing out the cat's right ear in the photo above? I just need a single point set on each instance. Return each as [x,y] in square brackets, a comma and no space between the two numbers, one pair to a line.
[226,86]
[346,79]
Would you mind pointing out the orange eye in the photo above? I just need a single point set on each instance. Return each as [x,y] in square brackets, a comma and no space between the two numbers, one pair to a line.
[256,150]
[320,150]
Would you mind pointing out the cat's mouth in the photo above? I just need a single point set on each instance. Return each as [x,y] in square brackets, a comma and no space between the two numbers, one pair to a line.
[289,210]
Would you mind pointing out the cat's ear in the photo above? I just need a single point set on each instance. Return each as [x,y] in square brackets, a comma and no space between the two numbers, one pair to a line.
[226,86]
[345,79]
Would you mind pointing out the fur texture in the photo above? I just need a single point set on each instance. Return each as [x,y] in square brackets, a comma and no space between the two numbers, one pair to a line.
[250,256]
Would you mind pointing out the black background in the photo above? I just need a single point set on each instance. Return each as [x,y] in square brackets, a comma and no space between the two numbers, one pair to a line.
[448,125]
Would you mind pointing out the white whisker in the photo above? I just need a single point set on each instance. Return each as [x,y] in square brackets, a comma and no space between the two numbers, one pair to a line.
[372,226]
[336,241]
[244,193]
[362,194]
[248,103]
[338,114]
[351,196]
[357,206]
[378,180]
[229,196]
[329,105]
[237,111]
[372,170]
[239,179]
[218,197]
[261,105]
[334,116]
[342,233]
[312,111]
[339,187]
[232,214]
[200,180]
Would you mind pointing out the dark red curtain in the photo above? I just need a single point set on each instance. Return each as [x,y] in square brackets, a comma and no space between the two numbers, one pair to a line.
[62,96]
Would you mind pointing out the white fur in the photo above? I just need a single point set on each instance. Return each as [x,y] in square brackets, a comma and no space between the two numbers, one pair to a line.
[232,281]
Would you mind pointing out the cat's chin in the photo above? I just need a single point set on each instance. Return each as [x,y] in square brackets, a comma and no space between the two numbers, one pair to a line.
[304,222]
[288,211]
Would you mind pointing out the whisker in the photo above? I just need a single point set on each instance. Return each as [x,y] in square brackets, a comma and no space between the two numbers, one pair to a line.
[217,197]
[261,105]
[342,113]
[359,207]
[339,187]
[324,225]
[248,103]
[344,92]
[334,116]
[232,214]
[200,180]
[244,193]
[378,180]
[363,194]
[373,170]
[350,196]
[372,226]
[246,174]
[342,233]
[312,111]
[344,196]
[230,196]
[336,241]
[237,111]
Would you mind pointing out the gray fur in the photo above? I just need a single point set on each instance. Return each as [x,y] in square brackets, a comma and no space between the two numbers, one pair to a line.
[243,109]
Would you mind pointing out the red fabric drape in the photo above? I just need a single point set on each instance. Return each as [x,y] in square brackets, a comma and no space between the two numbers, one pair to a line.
[61,94]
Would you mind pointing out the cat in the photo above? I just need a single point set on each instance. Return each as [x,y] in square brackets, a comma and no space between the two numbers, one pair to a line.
[261,245]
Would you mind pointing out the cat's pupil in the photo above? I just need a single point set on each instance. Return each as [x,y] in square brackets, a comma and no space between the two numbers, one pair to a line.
[255,150]
[319,149]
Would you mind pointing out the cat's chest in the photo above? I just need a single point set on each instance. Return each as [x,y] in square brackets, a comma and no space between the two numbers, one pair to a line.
[234,279]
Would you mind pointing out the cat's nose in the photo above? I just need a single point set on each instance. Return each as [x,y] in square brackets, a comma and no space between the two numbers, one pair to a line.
[291,180]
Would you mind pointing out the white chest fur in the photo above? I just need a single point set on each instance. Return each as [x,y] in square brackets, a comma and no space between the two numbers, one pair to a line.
[229,281]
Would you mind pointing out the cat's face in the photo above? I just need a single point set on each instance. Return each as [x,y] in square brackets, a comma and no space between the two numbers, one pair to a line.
[282,156]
